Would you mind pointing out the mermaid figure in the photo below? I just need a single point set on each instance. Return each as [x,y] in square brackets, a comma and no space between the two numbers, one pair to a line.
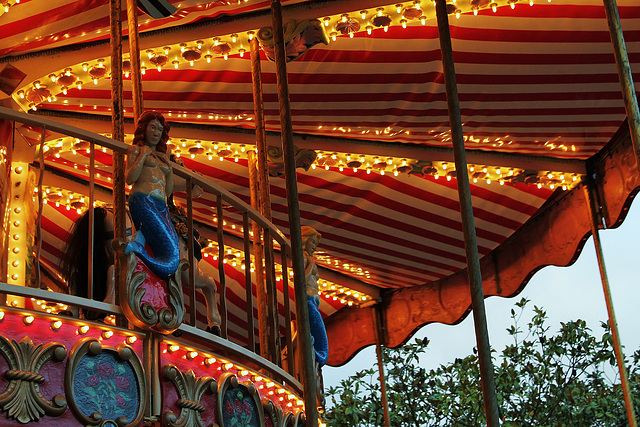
[310,240]
[150,173]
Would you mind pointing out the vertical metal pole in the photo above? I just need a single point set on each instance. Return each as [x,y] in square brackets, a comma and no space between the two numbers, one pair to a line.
[190,254]
[589,190]
[383,388]
[269,310]
[247,282]
[468,225]
[117,123]
[92,237]
[273,319]
[258,255]
[306,349]
[43,135]
[153,404]
[134,52]
[287,311]
[221,271]
[261,145]
[624,74]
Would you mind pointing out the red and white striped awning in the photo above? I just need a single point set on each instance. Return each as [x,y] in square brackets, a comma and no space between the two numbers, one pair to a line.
[536,83]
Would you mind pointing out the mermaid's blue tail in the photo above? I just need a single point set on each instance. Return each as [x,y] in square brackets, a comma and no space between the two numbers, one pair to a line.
[318,331]
[151,217]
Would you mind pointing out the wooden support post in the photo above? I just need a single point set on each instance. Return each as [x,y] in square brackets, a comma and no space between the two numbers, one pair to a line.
[589,191]
[624,74]
[256,170]
[468,225]
[261,145]
[377,321]
[134,52]
[302,314]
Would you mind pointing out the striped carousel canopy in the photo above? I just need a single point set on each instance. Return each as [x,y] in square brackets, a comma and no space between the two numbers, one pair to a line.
[539,95]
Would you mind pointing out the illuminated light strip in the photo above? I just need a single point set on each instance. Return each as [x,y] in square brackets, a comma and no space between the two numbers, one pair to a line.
[183,55]
[57,323]
[266,385]
[19,213]
[197,149]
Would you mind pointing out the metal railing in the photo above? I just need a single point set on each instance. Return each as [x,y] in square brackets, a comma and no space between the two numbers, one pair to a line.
[223,200]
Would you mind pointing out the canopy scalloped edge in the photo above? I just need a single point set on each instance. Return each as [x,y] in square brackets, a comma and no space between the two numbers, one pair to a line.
[554,236]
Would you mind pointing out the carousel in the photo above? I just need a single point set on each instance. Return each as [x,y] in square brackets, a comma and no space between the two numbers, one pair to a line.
[203,203]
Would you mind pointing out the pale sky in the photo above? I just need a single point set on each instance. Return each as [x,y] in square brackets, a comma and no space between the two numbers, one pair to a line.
[566,293]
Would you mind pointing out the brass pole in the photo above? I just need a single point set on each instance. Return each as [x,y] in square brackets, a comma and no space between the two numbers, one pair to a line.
[150,369]
[302,315]
[468,225]
[383,388]
[134,52]
[258,255]
[589,192]
[117,124]
[624,74]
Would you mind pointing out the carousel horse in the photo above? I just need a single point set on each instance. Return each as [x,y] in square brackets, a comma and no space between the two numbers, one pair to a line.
[203,281]
[76,260]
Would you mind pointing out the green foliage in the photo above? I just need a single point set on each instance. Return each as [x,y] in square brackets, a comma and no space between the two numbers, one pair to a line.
[567,379]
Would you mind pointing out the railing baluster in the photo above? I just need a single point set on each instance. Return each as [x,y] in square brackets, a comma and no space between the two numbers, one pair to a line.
[221,273]
[272,236]
[248,283]
[287,310]
[40,203]
[92,237]
[190,252]
[272,299]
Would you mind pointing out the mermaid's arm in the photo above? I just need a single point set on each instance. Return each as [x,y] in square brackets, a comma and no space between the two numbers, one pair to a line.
[169,176]
[135,162]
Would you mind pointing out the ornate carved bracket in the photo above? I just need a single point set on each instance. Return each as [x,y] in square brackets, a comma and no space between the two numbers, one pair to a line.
[22,399]
[273,412]
[298,37]
[163,318]
[275,159]
[190,389]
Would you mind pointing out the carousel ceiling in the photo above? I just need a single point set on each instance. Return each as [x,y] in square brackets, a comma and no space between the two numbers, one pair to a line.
[537,82]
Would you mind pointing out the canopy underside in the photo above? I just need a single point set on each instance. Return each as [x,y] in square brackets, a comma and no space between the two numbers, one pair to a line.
[539,95]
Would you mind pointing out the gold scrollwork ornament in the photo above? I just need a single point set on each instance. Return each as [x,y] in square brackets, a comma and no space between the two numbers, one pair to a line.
[190,390]
[22,400]
[143,315]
